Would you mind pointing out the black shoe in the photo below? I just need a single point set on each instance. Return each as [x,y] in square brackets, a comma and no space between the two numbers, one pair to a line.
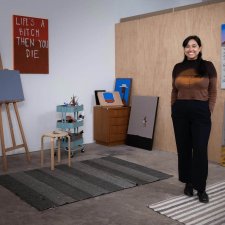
[188,190]
[203,197]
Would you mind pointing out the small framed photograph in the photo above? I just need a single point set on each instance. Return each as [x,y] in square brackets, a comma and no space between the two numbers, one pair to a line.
[123,86]
[96,96]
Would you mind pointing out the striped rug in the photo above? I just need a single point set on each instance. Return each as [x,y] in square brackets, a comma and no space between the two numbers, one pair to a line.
[190,211]
[44,189]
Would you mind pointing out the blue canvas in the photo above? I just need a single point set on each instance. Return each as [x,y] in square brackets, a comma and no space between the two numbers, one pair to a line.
[10,86]
[108,97]
[123,86]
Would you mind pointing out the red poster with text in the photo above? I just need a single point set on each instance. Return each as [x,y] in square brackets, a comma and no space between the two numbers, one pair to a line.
[30,42]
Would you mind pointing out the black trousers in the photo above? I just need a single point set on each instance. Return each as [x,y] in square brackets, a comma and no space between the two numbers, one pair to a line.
[192,126]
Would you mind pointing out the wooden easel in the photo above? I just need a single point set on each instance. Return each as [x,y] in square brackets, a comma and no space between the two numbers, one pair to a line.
[14,145]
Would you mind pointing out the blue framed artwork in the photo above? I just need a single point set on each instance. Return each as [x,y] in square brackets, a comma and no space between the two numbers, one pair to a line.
[108,97]
[123,86]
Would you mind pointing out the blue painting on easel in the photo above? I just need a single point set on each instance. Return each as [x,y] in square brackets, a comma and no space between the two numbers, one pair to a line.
[10,86]
[123,86]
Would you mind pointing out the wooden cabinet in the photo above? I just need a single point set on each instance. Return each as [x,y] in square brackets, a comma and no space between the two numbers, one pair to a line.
[110,124]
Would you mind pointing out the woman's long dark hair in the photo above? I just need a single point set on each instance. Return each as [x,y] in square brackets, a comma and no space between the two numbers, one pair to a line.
[202,71]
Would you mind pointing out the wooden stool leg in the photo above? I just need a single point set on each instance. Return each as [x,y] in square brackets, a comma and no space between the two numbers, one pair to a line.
[69,152]
[59,151]
[42,150]
[4,158]
[52,153]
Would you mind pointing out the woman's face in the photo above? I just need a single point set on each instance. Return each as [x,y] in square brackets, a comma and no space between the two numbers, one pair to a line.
[192,49]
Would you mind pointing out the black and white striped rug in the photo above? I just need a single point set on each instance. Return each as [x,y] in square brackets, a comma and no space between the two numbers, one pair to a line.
[44,189]
[190,211]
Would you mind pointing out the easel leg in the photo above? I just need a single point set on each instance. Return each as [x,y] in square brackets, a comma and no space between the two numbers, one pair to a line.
[2,142]
[21,130]
[10,124]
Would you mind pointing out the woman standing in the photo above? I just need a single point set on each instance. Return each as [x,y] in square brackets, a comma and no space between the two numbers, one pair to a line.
[193,98]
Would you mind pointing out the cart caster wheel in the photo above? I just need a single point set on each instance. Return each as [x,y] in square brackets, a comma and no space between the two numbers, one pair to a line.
[82,150]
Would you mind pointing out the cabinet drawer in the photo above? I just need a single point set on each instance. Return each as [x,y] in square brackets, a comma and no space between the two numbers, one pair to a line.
[119,121]
[118,129]
[123,112]
[117,137]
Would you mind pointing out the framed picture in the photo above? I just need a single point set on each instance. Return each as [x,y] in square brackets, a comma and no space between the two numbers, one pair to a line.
[123,86]
[109,98]
[30,45]
[96,96]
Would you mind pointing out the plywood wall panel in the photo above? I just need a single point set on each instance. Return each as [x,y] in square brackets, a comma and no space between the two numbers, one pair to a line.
[126,48]
[148,48]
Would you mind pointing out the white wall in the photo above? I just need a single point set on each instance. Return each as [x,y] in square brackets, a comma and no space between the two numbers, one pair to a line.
[81,56]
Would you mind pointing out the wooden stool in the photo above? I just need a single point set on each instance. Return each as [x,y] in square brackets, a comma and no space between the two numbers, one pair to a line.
[52,135]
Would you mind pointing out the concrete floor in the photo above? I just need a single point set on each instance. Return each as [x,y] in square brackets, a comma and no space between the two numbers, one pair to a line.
[127,207]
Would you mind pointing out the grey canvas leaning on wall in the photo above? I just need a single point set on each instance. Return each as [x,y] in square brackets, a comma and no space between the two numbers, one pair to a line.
[142,121]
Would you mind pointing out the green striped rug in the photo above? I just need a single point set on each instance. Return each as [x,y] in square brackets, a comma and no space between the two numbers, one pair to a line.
[44,189]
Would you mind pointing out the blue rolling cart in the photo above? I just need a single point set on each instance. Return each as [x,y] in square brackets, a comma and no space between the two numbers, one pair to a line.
[73,126]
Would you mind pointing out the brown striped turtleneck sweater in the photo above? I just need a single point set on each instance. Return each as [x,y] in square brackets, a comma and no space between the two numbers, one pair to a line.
[188,85]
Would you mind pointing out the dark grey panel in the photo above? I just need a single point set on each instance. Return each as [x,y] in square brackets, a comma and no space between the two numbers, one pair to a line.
[101,182]
[137,167]
[128,176]
[59,185]
[27,194]
[142,116]
[77,182]
[43,189]
[103,175]
[126,170]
